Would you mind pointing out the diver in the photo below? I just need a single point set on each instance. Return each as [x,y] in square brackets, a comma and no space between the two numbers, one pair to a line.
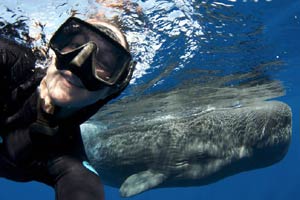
[41,109]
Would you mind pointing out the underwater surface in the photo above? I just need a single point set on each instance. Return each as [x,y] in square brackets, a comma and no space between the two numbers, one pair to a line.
[204,53]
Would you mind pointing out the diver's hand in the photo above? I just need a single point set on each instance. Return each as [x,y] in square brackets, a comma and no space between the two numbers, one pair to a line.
[31,116]
[20,94]
[17,132]
[25,116]
[27,88]
[29,131]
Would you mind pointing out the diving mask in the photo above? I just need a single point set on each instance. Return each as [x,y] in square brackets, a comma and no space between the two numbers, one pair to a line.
[93,56]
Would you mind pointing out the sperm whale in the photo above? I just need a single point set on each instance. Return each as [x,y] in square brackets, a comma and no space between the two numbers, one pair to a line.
[191,150]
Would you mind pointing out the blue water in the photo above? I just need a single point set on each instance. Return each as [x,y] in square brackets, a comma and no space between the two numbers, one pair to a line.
[226,38]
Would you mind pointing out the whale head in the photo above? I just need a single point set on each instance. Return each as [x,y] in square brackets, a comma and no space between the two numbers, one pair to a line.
[225,142]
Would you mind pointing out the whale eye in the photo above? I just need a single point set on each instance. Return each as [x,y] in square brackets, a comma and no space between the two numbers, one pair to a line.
[202,157]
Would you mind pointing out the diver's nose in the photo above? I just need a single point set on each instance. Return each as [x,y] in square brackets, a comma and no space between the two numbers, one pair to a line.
[84,54]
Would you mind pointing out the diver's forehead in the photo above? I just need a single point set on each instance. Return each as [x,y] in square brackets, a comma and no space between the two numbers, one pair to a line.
[113,28]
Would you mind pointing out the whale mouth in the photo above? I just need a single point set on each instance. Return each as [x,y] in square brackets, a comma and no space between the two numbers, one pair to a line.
[276,128]
[275,137]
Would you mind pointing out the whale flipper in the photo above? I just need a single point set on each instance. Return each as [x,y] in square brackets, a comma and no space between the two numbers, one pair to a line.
[140,182]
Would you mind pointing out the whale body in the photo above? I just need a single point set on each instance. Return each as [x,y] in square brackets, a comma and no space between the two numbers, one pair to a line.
[190,150]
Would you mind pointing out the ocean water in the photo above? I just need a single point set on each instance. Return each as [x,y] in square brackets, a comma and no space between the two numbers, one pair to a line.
[206,52]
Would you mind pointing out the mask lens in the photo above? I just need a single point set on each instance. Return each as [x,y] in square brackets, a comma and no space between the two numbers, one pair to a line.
[109,60]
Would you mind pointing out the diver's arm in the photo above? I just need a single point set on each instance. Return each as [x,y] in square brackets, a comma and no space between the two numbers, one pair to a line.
[13,54]
[26,89]
[75,179]
[7,57]
[19,77]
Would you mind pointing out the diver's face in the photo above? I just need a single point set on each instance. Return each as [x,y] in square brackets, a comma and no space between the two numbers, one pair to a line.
[66,90]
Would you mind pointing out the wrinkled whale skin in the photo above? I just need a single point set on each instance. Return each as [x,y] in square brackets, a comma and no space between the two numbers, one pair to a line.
[190,151]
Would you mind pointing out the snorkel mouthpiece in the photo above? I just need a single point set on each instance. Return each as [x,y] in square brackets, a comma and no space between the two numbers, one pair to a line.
[84,54]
